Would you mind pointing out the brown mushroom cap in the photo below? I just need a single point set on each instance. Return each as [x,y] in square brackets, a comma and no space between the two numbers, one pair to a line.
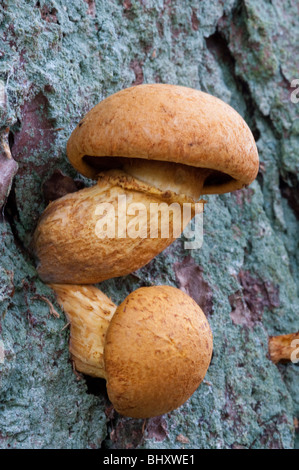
[157,351]
[167,123]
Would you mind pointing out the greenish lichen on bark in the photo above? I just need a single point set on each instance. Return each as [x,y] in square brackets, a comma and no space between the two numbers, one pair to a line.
[57,60]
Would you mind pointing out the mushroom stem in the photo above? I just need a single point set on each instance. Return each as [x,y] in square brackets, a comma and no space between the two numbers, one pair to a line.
[181,179]
[89,312]
[282,348]
[108,230]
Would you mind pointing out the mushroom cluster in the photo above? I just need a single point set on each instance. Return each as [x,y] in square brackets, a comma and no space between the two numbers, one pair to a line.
[150,144]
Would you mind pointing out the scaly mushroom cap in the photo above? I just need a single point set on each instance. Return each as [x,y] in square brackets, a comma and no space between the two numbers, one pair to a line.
[157,351]
[167,123]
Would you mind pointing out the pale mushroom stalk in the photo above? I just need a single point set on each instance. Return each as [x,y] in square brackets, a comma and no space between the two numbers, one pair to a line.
[153,350]
[89,312]
[86,237]
[168,176]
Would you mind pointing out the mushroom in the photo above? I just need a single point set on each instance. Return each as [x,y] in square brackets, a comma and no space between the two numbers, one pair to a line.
[153,350]
[153,145]
[284,348]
